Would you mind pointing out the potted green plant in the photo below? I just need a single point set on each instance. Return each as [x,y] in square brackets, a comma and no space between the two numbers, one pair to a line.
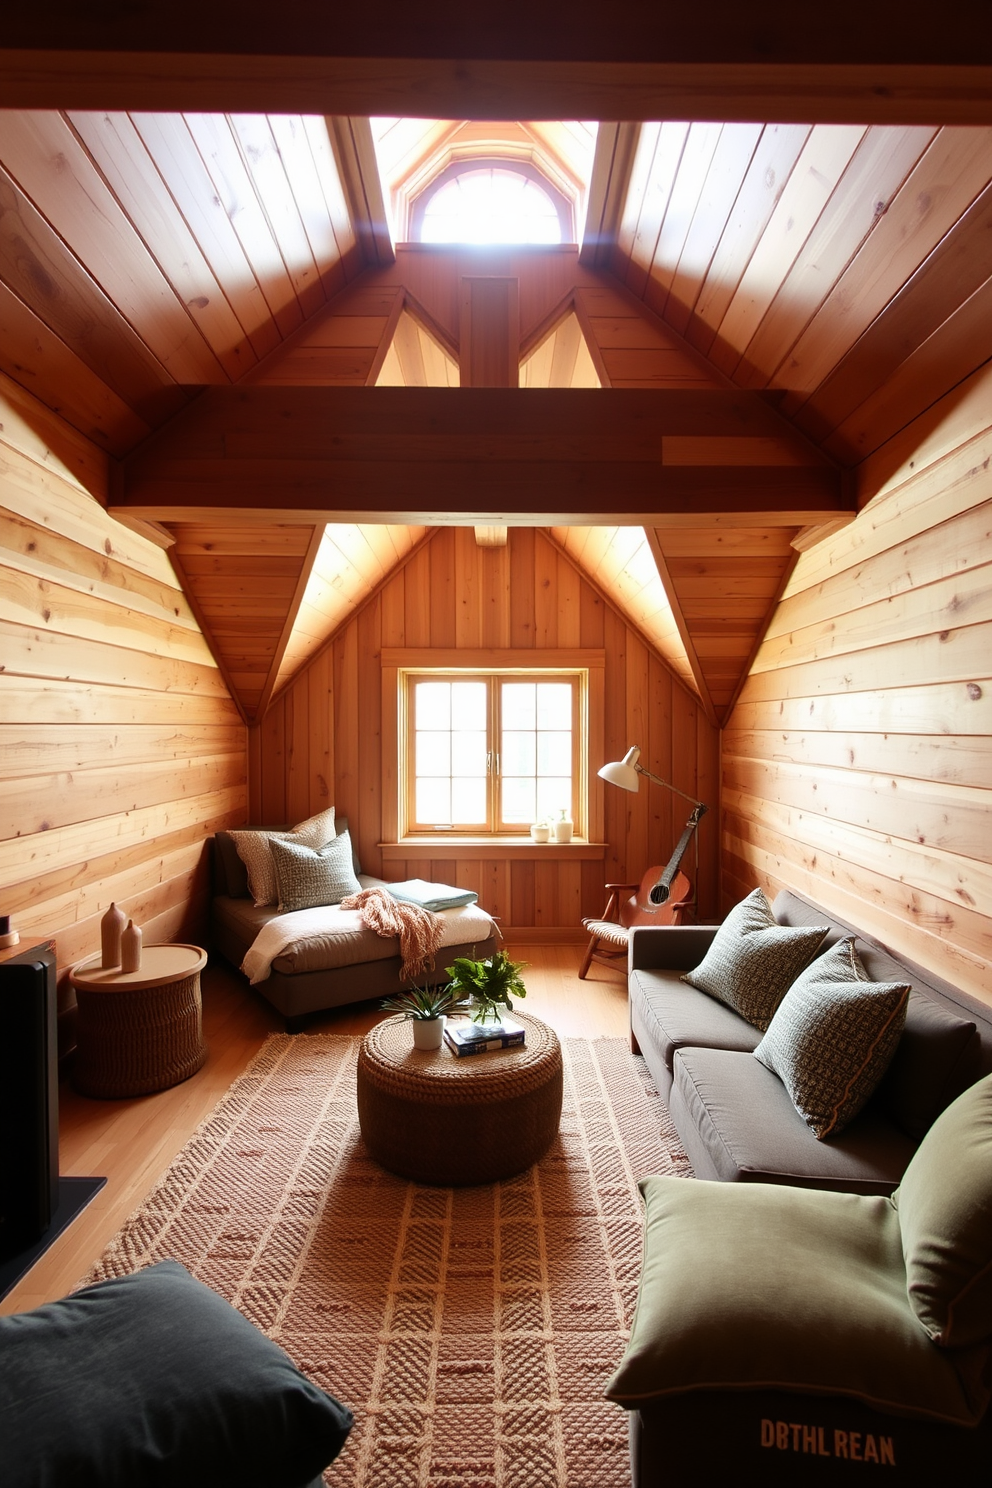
[427,1008]
[487,985]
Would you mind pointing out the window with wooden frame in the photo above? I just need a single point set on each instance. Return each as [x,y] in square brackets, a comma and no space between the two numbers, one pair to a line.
[485,750]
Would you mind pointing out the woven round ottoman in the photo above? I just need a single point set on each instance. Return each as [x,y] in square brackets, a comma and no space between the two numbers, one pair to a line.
[138,1031]
[450,1121]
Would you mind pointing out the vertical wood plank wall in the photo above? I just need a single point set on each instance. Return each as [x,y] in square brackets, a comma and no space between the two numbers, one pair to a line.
[319,743]
[120,748]
[857,766]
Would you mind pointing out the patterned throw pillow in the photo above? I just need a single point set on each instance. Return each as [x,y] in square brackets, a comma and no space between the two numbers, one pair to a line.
[254,850]
[833,1036]
[308,879]
[754,960]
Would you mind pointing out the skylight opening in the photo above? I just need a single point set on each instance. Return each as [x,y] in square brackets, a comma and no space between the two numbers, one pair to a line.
[489,205]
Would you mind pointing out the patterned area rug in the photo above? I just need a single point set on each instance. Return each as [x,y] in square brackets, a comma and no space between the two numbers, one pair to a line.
[470,1330]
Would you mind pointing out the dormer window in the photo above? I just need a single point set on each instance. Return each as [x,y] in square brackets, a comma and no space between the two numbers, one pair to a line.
[491,202]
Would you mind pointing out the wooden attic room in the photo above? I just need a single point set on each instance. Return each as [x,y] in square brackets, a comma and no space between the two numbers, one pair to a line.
[721,442]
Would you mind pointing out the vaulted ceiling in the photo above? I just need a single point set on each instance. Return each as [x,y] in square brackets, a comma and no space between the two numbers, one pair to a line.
[292,401]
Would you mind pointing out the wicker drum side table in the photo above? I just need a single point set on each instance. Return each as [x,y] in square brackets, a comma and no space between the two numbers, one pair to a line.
[139,1031]
[450,1121]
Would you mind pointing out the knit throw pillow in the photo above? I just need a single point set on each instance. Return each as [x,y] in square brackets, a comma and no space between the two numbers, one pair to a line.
[832,1038]
[754,960]
[254,850]
[307,878]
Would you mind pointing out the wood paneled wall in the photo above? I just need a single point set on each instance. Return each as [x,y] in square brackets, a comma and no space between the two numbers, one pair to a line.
[320,742]
[857,766]
[120,748]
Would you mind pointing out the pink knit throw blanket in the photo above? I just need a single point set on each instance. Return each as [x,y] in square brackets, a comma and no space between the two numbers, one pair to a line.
[419,930]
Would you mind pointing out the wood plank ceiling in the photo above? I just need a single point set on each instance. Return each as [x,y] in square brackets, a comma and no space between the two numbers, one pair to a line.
[839,276]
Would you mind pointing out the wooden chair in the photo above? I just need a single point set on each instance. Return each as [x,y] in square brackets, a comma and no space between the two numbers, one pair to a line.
[628,905]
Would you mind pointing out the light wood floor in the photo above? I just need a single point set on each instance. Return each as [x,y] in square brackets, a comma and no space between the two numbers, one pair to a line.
[132,1142]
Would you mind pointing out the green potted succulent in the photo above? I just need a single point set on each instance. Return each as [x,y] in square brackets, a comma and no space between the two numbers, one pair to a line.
[487,985]
[427,1007]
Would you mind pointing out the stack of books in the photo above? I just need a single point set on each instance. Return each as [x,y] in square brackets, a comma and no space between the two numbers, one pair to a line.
[480,1038]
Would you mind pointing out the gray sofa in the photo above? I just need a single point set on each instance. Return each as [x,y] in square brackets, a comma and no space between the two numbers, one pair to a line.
[735,1117]
[738,1124]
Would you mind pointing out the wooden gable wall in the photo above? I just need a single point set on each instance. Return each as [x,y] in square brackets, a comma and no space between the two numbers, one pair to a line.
[320,743]
[120,747]
[857,765]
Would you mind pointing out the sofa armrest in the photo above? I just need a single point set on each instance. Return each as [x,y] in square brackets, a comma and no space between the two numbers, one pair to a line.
[668,947]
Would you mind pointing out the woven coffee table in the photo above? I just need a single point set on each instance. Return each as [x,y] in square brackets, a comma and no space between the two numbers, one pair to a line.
[450,1121]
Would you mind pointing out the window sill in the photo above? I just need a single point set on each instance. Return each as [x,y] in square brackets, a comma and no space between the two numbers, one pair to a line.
[489,848]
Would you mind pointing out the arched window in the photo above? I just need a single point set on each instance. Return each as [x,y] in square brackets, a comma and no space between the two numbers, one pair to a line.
[491,201]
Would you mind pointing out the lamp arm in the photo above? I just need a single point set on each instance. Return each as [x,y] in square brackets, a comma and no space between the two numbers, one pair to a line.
[667,784]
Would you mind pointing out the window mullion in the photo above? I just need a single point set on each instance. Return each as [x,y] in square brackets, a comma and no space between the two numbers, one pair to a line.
[494,741]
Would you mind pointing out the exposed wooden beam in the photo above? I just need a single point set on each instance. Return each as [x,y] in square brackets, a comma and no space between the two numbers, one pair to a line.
[769,60]
[180,82]
[545,457]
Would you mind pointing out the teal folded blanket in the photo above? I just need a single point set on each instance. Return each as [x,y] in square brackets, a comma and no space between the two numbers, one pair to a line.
[431,895]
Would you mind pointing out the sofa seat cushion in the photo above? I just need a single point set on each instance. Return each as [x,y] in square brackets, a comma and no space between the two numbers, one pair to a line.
[763,1287]
[674,1015]
[737,1123]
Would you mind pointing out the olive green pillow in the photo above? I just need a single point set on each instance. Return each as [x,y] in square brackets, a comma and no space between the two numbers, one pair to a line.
[753,960]
[833,1036]
[760,1286]
[945,1213]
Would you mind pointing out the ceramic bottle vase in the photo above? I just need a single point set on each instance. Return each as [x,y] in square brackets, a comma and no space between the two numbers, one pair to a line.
[131,948]
[111,929]
[563,829]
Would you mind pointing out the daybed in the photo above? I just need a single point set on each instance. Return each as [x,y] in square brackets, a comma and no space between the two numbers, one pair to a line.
[736,1118]
[331,958]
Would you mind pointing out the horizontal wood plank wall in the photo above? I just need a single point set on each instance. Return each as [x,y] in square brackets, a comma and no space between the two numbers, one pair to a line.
[120,749]
[857,765]
[320,742]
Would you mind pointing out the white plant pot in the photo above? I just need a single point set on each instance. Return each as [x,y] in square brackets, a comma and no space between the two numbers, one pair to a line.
[428,1033]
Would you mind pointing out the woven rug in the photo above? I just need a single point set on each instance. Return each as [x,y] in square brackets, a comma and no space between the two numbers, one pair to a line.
[470,1330]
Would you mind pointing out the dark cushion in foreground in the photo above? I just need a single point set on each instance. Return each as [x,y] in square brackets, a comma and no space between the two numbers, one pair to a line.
[154,1381]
